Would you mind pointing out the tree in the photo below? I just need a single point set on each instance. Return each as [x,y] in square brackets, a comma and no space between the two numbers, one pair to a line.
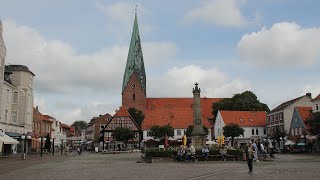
[246,101]
[190,129]
[123,134]
[277,134]
[136,115]
[47,144]
[79,125]
[314,123]
[159,132]
[232,130]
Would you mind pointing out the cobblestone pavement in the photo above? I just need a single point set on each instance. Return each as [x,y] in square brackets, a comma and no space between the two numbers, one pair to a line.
[125,166]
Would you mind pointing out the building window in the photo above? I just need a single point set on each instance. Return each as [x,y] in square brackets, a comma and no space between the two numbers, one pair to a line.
[5,115]
[178,132]
[134,97]
[14,117]
[295,120]
[268,120]
[252,131]
[296,131]
[136,134]
[317,107]
[101,127]
[257,131]
[300,131]
[15,97]
[292,131]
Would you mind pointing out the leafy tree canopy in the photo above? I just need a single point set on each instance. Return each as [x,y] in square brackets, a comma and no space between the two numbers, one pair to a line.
[246,101]
[79,125]
[314,123]
[159,132]
[137,115]
[123,134]
[232,130]
[277,134]
[190,129]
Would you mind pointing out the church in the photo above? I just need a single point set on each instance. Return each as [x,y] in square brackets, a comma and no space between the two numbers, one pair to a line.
[177,112]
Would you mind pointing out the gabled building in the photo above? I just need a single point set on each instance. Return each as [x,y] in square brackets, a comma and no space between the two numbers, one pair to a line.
[121,118]
[298,126]
[253,123]
[281,116]
[96,125]
[316,104]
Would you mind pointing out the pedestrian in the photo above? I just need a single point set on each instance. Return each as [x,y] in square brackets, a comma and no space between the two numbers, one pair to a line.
[180,152]
[78,149]
[66,151]
[249,156]
[205,153]
[255,155]
[223,153]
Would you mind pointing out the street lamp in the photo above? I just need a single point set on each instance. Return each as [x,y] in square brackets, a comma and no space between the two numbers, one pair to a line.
[24,137]
[41,144]
[52,141]
[61,147]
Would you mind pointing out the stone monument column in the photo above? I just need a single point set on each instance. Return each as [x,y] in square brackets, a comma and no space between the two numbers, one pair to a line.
[198,135]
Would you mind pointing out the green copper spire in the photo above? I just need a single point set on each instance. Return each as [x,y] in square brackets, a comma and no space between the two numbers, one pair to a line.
[135,59]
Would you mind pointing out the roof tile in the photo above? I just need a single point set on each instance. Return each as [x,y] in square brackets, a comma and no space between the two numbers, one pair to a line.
[244,118]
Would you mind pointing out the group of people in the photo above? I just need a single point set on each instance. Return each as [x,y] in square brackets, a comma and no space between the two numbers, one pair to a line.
[70,149]
[187,152]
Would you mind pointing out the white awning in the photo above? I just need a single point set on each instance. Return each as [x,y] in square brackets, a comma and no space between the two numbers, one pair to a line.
[5,139]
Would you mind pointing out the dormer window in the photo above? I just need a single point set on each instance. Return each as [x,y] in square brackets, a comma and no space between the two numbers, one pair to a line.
[251,120]
[241,119]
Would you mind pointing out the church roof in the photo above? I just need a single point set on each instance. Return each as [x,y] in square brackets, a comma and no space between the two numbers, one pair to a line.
[178,112]
[244,118]
[135,59]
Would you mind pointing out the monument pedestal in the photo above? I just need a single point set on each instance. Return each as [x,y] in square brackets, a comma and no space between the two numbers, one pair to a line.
[198,141]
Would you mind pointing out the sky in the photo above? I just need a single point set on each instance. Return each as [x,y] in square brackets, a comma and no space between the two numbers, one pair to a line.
[78,49]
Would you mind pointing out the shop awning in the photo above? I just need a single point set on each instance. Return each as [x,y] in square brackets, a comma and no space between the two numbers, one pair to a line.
[5,139]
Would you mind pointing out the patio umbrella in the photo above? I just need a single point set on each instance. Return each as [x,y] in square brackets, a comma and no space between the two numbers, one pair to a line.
[166,141]
[301,144]
[288,143]
[211,142]
[184,140]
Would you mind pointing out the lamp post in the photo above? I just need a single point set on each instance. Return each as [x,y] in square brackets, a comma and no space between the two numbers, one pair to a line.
[25,138]
[304,136]
[61,147]
[41,144]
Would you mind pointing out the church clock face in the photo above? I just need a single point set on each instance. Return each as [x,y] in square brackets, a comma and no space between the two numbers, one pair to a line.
[133,85]
[198,121]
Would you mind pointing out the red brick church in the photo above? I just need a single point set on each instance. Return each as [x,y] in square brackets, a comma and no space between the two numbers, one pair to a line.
[178,112]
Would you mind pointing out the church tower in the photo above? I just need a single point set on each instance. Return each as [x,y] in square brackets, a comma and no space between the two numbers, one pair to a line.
[134,78]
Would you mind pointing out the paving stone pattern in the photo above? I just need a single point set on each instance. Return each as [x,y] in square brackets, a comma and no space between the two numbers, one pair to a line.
[125,166]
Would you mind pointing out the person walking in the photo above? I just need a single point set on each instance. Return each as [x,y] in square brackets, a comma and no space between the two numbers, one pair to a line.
[205,153]
[249,155]
[255,154]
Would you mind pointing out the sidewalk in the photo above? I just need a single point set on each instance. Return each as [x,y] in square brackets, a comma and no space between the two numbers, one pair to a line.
[12,163]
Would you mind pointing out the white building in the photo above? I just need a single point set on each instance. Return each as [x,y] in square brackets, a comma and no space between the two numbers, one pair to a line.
[253,123]
[16,96]
[316,104]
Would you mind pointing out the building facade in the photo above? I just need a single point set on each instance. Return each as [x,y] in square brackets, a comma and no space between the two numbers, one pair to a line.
[281,116]
[298,127]
[253,123]
[316,104]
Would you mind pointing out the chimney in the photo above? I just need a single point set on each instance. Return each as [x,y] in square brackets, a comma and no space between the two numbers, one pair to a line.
[37,108]
[308,95]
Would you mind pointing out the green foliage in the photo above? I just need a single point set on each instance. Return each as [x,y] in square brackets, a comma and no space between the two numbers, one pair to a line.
[246,101]
[277,134]
[314,123]
[79,125]
[123,134]
[159,132]
[232,130]
[190,128]
[159,152]
[137,115]
[47,144]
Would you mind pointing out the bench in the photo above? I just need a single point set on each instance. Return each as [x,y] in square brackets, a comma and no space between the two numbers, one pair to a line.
[210,158]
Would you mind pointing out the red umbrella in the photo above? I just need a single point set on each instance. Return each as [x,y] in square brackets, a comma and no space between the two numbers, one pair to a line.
[166,141]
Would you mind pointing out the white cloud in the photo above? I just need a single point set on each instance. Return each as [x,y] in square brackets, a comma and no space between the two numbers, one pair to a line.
[178,82]
[62,71]
[224,13]
[283,44]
